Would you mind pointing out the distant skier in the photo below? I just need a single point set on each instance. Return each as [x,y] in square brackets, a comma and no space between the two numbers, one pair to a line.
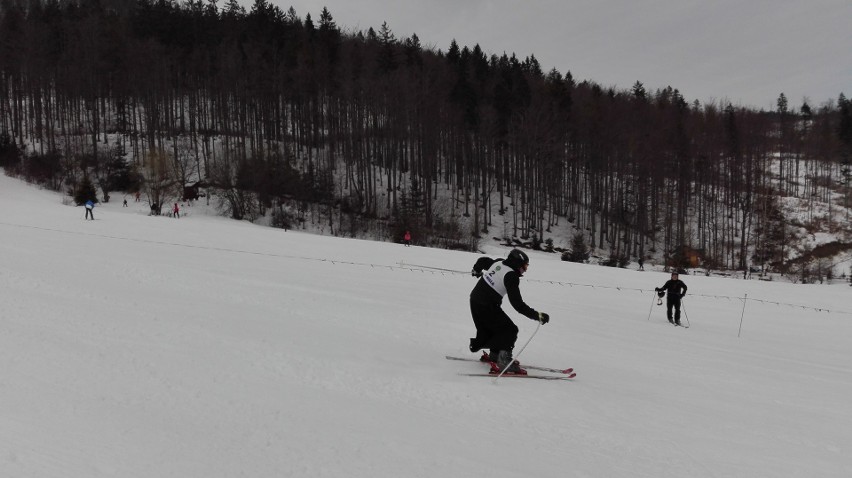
[675,289]
[90,206]
[407,239]
[494,329]
[125,203]
[176,211]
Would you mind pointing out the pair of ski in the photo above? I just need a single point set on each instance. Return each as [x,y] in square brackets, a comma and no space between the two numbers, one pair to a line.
[564,374]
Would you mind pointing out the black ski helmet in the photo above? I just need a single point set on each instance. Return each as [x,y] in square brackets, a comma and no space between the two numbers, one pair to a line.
[517,258]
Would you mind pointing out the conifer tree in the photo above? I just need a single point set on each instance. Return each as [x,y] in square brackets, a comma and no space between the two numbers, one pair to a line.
[85,192]
[579,251]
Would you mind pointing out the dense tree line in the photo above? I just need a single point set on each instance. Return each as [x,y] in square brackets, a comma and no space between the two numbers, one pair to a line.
[360,129]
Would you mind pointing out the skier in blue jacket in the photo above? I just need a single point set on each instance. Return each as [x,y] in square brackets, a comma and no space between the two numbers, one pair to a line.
[90,206]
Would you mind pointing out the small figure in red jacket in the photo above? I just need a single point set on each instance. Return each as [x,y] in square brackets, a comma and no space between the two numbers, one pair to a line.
[406,239]
[176,211]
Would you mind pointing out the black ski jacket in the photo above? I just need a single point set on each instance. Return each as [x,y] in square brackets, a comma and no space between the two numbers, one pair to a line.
[675,289]
[483,293]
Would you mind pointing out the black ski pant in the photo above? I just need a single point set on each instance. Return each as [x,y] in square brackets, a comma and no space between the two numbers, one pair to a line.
[494,329]
[673,303]
[90,213]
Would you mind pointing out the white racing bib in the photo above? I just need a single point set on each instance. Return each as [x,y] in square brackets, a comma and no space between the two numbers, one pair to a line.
[495,275]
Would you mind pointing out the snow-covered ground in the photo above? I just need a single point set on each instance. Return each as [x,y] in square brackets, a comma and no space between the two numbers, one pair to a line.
[137,346]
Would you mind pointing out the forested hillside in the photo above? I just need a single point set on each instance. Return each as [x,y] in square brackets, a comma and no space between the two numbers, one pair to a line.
[300,119]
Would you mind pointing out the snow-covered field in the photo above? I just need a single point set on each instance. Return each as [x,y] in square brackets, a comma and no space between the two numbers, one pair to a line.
[137,346]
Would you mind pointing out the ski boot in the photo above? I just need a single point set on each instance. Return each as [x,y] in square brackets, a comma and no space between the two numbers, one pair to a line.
[504,359]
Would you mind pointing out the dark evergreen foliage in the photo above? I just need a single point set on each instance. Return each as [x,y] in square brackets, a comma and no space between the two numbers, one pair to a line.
[579,251]
[275,112]
[84,192]
[44,169]
[10,154]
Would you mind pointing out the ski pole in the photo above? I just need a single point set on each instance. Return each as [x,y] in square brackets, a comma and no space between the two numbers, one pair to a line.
[519,352]
[652,307]
[685,315]
[745,299]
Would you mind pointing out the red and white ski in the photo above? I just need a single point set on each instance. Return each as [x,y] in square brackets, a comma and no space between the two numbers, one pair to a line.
[515,375]
[484,359]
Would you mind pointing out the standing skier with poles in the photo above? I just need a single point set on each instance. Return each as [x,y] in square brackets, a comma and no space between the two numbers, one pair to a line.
[494,329]
[675,289]
[90,206]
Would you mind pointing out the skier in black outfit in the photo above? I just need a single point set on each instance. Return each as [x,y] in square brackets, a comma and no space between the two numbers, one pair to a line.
[494,329]
[675,289]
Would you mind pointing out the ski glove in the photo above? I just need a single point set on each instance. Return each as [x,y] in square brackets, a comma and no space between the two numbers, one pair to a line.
[543,318]
[475,273]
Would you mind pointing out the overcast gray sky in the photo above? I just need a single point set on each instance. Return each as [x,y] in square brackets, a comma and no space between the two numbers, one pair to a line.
[743,51]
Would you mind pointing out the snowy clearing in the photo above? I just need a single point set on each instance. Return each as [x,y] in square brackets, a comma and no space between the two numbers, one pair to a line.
[137,346]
